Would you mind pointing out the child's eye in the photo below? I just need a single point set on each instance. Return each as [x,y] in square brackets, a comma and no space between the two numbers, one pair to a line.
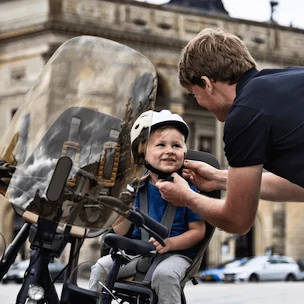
[160,145]
[177,146]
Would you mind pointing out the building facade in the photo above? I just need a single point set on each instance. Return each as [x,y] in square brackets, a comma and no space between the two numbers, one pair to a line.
[31,30]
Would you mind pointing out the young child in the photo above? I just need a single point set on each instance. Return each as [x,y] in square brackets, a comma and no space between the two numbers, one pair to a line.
[165,153]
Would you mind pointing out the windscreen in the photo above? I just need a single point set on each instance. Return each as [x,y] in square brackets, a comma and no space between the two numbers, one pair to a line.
[80,110]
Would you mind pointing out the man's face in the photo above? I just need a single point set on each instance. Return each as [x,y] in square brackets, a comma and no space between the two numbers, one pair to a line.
[202,96]
[215,96]
[166,150]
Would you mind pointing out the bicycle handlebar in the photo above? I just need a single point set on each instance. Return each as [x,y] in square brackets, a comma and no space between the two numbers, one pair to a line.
[155,229]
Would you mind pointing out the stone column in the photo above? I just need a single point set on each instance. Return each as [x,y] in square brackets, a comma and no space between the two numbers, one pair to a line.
[279,223]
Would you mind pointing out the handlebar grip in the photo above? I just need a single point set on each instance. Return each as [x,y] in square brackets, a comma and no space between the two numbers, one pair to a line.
[155,226]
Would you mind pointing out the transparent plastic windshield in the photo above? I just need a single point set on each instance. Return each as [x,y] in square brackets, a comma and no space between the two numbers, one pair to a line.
[81,109]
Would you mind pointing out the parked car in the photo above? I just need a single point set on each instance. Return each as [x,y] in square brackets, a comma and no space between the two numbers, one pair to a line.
[264,268]
[17,271]
[216,274]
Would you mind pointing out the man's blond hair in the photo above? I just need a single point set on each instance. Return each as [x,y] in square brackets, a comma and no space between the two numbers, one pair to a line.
[217,54]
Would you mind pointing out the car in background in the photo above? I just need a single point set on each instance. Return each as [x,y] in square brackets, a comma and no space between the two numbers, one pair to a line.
[17,271]
[264,268]
[216,274]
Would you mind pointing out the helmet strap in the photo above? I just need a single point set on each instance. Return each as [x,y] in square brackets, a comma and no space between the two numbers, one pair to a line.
[164,175]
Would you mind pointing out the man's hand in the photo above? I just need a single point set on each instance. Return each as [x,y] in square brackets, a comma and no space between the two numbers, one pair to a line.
[204,177]
[174,192]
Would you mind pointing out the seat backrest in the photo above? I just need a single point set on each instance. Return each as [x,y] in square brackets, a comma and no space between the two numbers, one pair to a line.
[194,267]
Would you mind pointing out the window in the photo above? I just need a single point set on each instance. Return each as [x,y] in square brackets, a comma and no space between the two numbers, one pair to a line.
[273,261]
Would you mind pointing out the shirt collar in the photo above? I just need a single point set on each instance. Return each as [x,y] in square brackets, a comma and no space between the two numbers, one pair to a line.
[245,78]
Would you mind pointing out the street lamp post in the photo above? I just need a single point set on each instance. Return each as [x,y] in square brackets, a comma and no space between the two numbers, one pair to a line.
[273,5]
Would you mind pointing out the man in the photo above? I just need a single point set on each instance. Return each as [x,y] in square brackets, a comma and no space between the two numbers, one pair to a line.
[264,129]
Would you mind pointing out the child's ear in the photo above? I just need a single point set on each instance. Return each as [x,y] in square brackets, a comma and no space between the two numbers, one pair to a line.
[185,149]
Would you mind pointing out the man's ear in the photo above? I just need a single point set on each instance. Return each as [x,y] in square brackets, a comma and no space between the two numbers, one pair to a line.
[208,83]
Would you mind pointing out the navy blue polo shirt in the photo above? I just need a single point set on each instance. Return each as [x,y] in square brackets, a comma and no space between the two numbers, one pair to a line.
[265,124]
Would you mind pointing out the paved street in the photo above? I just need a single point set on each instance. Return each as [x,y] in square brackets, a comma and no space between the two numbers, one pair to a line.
[260,293]
[251,293]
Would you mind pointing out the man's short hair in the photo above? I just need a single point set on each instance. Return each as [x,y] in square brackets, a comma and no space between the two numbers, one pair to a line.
[217,54]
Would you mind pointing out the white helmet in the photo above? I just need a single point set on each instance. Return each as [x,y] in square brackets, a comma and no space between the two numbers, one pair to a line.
[148,122]
[166,118]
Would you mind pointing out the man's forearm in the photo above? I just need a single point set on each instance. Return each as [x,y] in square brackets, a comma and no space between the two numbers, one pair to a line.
[214,211]
[222,179]
[275,188]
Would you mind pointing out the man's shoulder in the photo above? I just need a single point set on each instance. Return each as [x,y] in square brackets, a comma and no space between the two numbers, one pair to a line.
[269,78]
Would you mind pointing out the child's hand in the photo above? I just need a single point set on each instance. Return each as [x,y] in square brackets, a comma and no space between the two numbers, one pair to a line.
[159,247]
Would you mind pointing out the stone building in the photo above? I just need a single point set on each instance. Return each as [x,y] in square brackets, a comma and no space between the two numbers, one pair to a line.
[31,30]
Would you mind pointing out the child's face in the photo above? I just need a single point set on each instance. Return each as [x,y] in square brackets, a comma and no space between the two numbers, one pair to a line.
[166,150]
